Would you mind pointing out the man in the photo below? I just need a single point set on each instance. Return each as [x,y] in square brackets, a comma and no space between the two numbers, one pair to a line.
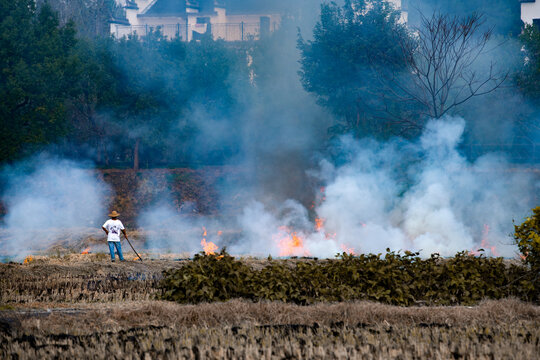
[112,228]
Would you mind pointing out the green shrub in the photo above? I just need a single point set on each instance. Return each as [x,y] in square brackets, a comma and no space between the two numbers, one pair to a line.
[400,279]
[527,237]
[207,278]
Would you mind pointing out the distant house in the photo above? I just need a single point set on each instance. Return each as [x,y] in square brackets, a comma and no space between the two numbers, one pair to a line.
[530,12]
[231,20]
[403,6]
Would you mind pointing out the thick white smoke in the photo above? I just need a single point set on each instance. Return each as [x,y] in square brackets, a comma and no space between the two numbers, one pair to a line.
[442,203]
[168,230]
[422,196]
[47,199]
[419,196]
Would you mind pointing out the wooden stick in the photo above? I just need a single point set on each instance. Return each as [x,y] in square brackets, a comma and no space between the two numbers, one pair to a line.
[135,251]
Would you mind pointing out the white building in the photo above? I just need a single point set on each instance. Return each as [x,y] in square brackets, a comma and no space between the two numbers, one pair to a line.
[190,19]
[231,20]
[530,12]
[403,6]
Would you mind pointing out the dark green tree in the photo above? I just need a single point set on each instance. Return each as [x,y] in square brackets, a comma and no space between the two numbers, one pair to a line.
[353,47]
[209,65]
[89,111]
[36,77]
[214,85]
[91,17]
[529,78]
[145,91]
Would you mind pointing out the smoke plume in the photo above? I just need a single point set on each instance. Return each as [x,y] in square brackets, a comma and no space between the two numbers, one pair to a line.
[47,198]
[420,196]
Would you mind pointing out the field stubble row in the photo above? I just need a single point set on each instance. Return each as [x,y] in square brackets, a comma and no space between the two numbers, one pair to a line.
[240,329]
[45,281]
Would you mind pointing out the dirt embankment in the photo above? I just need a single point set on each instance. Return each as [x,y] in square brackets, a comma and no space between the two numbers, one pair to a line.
[135,190]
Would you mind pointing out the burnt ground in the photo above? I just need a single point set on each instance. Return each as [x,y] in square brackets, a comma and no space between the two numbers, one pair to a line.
[83,306]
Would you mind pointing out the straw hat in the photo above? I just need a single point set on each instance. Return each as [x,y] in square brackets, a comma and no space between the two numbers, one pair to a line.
[114,214]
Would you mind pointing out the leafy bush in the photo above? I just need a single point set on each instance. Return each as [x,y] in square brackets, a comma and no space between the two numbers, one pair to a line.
[400,279]
[208,278]
[527,236]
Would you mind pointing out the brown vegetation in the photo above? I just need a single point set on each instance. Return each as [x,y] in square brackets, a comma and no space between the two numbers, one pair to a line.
[135,190]
[283,342]
[83,281]
[237,329]
[127,314]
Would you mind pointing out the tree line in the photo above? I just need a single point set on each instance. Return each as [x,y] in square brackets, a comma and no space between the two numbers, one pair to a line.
[99,95]
[132,101]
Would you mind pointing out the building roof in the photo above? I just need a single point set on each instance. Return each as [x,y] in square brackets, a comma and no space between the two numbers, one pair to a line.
[178,7]
[256,6]
[166,8]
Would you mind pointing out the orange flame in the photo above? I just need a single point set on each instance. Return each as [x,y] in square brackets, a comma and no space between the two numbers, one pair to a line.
[319,227]
[319,224]
[484,244]
[290,243]
[347,249]
[209,247]
[28,260]
[86,251]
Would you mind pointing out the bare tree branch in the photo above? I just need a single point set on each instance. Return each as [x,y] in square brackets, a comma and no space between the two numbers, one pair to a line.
[443,62]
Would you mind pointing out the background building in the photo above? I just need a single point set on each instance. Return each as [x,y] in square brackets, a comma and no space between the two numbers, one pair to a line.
[231,20]
[530,12]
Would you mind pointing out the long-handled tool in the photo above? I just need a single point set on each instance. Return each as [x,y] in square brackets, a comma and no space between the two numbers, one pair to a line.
[135,251]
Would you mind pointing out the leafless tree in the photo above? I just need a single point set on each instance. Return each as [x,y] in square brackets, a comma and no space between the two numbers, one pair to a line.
[443,58]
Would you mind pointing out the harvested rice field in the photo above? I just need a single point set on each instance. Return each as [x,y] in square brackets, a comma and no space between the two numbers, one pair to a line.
[86,307]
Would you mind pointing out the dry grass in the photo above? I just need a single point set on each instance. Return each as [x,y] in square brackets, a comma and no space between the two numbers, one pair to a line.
[285,342]
[86,281]
[506,329]
[124,315]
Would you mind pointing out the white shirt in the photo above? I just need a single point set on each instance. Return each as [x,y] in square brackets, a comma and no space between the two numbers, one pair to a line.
[113,227]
